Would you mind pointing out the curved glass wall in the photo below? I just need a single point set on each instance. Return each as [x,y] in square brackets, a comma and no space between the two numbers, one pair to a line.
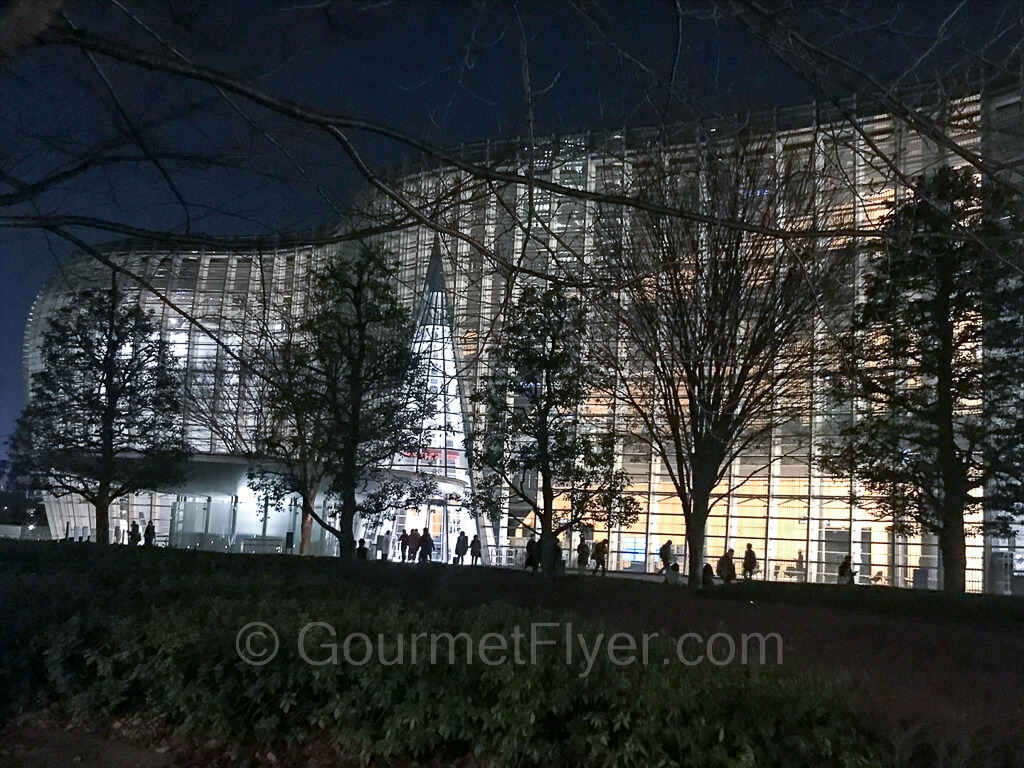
[800,523]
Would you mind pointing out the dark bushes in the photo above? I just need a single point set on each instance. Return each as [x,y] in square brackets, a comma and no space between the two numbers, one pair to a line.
[172,656]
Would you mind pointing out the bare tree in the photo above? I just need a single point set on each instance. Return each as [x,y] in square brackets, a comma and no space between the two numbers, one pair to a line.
[295,154]
[715,326]
[292,449]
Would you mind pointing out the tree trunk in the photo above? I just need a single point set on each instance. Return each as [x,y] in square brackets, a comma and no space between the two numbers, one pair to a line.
[348,520]
[953,544]
[548,550]
[306,535]
[102,509]
[695,553]
[696,523]
[953,473]
[548,541]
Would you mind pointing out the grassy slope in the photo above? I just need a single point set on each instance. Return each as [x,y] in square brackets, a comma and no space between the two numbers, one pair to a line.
[949,670]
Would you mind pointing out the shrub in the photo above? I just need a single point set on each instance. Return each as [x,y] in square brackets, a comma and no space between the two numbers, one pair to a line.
[183,669]
[127,633]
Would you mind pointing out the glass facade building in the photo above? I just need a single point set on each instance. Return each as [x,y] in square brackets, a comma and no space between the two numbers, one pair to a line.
[538,210]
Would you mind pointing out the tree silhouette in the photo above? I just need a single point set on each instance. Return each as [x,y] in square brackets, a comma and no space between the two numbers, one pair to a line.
[104,418]
[933,366]
[343,394]
[537,441]
[714,326]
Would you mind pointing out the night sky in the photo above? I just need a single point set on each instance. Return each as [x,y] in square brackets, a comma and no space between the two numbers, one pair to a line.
[445,72]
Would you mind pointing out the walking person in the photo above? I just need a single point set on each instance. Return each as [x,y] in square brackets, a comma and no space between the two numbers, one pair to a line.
[726,569]
[150,535]
[531,554]
[749,563]
[475,549]
[461,547]
[426,546]
[665,553]
[403,544]
[134,535]
[384,546]
[582,555]
[414,544]
[600,554]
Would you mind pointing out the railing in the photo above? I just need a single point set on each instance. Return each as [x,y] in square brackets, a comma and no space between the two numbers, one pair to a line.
[507,557]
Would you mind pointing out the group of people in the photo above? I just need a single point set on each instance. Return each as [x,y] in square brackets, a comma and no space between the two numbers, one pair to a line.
[584,555]
[416,546]
[464,545]
[419,547]
[726,568]
[135,535]
[599,555]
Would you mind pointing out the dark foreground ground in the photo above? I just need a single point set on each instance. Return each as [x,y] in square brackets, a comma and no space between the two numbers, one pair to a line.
[927,669]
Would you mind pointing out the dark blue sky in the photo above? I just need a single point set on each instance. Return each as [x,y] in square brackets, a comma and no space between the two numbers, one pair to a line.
[447,72]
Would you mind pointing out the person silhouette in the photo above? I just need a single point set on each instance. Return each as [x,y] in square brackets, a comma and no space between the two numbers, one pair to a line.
[707,576]
[846,572]
[426,546]
[582,555]
[726,569]
[665,553]
[461,547]
[672,574]
[749,562]
[531,554]
[600,555]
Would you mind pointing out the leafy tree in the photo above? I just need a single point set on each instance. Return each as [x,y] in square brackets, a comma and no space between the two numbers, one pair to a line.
[934,365]
[105,414]
[715,324]
[346,395]
[537,443]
